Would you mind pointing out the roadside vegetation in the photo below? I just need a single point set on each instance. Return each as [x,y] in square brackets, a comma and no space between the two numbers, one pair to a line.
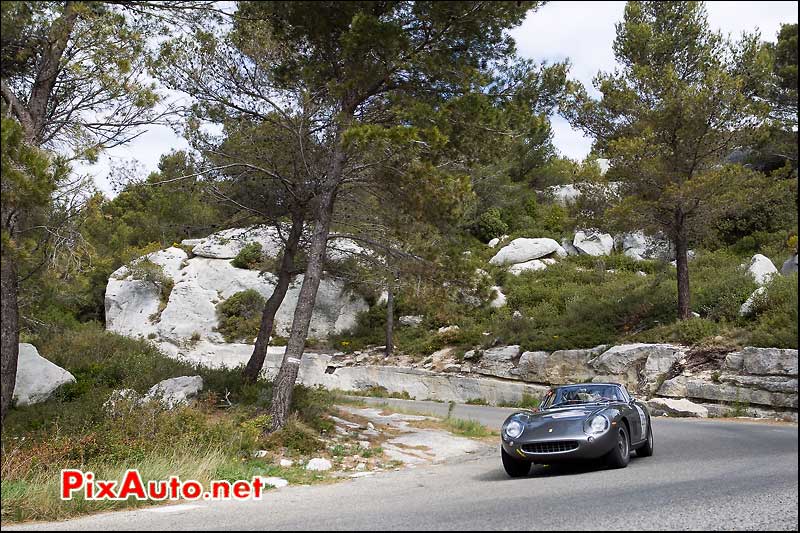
[214,438]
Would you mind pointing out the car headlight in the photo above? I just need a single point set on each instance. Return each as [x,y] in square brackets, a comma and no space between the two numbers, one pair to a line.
[514,429]
[598,424]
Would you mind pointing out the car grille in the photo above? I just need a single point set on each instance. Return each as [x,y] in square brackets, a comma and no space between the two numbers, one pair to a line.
[551,447]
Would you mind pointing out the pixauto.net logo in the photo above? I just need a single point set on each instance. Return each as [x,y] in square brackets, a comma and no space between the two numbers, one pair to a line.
[77,482]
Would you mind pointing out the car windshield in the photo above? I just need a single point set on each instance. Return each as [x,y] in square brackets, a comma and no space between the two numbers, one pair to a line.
[581,394]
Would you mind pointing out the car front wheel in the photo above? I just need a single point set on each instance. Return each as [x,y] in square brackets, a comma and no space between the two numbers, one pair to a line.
[515,467]
[620,455]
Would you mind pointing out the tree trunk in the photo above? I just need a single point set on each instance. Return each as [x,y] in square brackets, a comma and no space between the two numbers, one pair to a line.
[284,383]
[9,333]
[285,272]
[390,319]
[682,262]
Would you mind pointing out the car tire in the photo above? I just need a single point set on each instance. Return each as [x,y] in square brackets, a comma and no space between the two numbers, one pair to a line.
[646,449]
[515,467]
[620,455]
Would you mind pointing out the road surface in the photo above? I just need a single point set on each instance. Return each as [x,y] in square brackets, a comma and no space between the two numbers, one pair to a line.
[705,474]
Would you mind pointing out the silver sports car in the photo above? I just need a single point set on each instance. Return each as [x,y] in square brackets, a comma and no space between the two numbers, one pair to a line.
[576,422]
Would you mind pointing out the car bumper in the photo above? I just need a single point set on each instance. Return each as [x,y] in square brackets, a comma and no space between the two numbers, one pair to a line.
[561,448]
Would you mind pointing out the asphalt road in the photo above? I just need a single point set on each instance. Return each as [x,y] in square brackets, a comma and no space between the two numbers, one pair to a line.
[705,474]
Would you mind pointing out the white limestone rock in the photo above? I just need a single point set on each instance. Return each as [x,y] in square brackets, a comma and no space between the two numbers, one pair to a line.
[762,269]
[676,407]
[499,299]
[523,249]
[749,305]
[37,378]
[411,320]
[528,266]
[594,243]
[319,465]
[175,391]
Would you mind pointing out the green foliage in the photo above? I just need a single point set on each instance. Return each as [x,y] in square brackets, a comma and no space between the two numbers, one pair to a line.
[248,257]
[490,225]
[240,316]
[775,314]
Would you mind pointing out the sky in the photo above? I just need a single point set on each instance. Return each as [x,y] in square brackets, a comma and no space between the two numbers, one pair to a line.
[579,31]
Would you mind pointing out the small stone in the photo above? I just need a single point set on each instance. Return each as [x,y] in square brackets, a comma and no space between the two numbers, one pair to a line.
[276,482]
[260,453]
[365,444]
[319,465]
[286,463]
[360,467]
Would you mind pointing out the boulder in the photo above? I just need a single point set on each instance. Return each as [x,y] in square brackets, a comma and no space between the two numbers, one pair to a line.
[498,362]
[559,367]
[319,465]
[761,268]
[530,266]
[175,391]
[763,361]
[497,240]
[411,320]
[37,378]
[592,242]
[448,329]
[749,304]
[639,246]
[522,250]
[637,364]
[498,299]
[674,407]
[789,266]
[704,387]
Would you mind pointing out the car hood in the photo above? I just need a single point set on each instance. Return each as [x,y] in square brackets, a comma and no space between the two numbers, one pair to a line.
[554,424]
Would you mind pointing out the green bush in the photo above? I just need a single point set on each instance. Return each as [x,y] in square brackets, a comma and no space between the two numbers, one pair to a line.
[490,225]
[773,322]
[248,257]
[240,316]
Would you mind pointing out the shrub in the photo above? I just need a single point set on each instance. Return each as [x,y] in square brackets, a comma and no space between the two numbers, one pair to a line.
[240,316]
[490,225]
[248,257]
[773,322]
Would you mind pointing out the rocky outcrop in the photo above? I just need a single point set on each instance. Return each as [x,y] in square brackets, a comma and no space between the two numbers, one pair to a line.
[639,366]
[562,366]
[183,320]
[593,242]
[758,377]
[37,378]
[499,362]
[680,408]
[564,194]
[522,250]
[762,269]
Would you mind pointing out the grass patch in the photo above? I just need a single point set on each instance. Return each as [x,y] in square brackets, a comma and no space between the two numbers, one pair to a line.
[467,428]
[202,441]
